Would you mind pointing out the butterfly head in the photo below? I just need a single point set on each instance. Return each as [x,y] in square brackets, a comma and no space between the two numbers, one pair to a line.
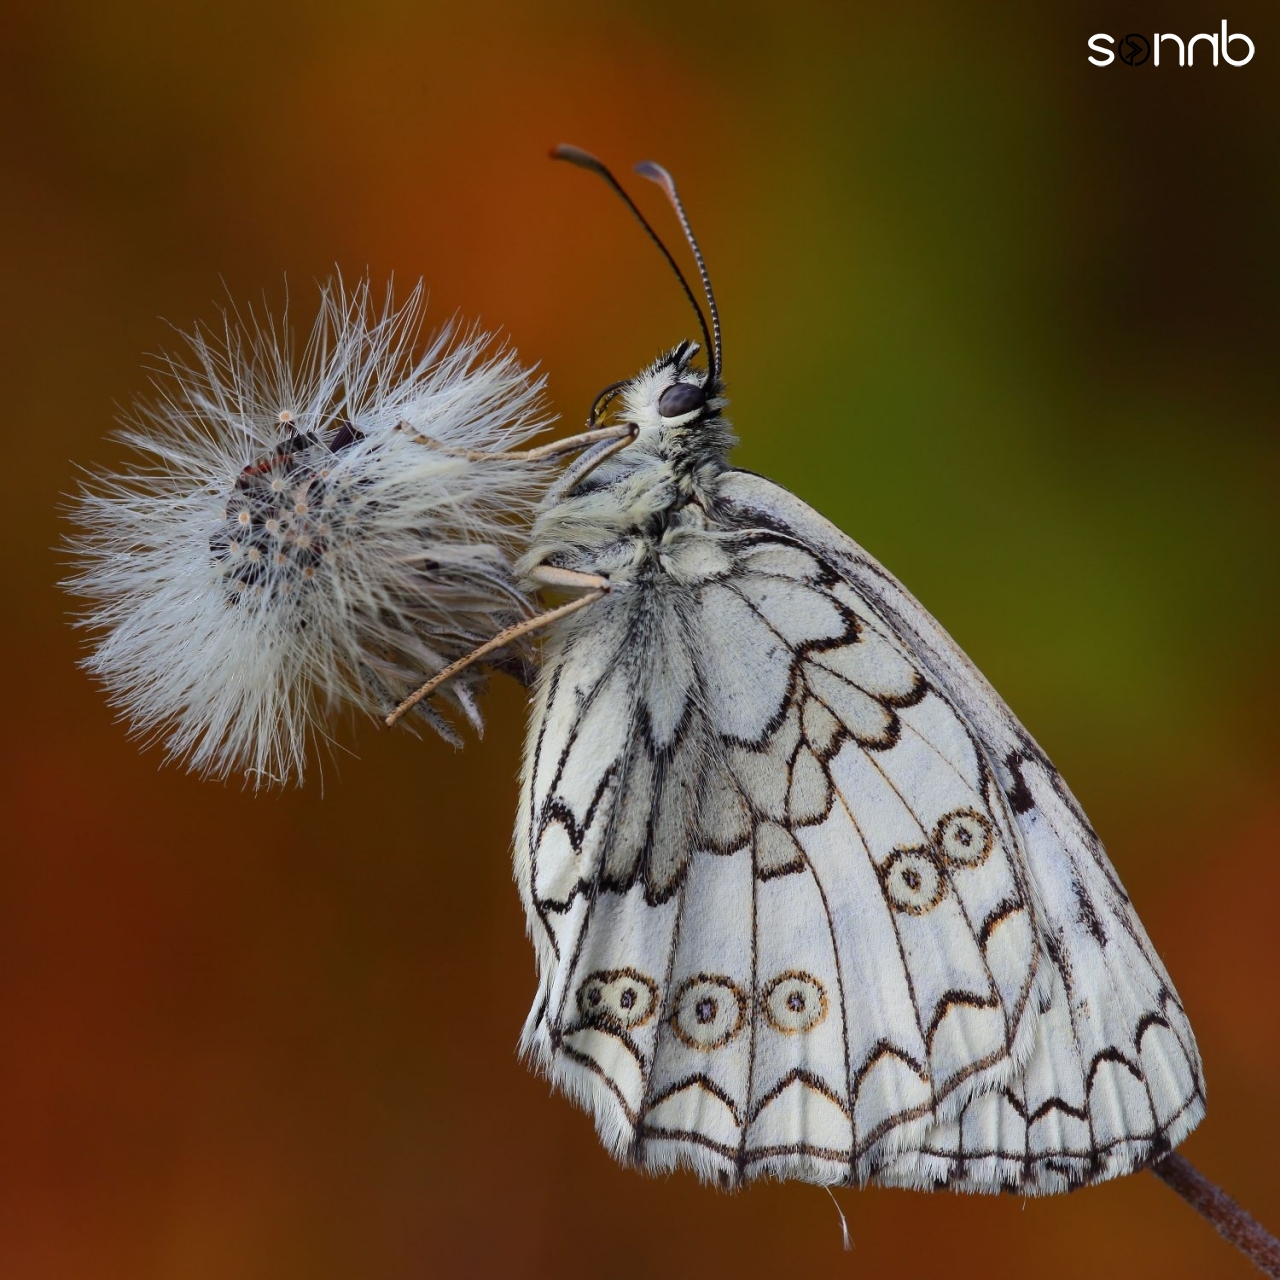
[677,404]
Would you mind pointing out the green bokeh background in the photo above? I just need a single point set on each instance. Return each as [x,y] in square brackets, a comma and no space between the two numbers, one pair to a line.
[1007,318]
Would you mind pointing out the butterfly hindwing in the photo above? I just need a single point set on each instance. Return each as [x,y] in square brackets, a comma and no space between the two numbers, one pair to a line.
[1112,1078]
[782,889]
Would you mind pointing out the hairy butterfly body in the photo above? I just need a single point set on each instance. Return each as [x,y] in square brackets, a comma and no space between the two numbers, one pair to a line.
[807,900]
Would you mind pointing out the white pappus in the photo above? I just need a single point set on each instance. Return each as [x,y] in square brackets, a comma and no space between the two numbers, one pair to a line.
[807,900]
[306,528]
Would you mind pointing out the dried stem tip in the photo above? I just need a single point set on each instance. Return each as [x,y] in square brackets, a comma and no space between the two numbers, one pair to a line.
[284,544]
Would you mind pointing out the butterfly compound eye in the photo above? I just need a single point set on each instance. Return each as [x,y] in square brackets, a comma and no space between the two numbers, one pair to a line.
[682,398]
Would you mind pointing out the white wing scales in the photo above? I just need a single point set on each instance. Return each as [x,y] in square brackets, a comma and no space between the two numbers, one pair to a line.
[809,902]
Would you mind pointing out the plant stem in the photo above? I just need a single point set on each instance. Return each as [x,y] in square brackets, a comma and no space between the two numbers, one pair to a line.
[1227,1218]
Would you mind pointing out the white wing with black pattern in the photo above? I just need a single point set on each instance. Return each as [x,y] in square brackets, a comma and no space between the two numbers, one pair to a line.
[807,899]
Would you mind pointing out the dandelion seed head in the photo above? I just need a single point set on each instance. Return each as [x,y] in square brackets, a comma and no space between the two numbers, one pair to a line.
[284,545]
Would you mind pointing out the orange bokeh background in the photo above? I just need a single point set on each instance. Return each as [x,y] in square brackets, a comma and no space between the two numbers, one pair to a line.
[1009,319]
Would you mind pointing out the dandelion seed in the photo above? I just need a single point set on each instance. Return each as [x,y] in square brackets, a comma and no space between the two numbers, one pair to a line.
[286,543]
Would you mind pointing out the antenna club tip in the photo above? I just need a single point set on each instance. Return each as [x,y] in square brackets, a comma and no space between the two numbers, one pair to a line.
[654,172]
[574,155]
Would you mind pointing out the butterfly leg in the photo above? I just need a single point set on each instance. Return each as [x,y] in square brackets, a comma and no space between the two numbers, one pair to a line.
[624,432]
[594,587]
[548,575]
[590,460]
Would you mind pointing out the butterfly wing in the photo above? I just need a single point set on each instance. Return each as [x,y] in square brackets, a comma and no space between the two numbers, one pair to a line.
[809,902]
[1114,1078]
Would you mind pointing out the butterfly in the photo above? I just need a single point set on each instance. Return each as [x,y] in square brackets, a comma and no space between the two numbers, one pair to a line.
[807,900]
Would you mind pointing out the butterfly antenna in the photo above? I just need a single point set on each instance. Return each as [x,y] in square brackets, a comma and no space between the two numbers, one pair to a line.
[656,173]
[585,160]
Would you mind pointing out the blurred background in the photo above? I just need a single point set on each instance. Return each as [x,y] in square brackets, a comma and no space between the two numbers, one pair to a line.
[1008,318]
